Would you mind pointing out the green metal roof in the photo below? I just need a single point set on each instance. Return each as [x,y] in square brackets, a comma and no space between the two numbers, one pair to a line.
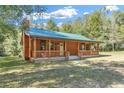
[54,34]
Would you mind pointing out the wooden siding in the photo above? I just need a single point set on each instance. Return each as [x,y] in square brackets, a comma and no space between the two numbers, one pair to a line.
[26,46]
[71,47]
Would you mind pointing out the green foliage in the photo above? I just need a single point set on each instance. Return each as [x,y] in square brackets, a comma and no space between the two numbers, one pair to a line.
[100,25]
[66,28]
[77,26]
[2,37]
[94,24]
[10,35]
[119,18]
[25,24]
[51,25]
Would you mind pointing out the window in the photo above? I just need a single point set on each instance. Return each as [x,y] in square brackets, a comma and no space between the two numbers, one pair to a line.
[54,45]
[43,45]
[82,47]
[88,47]
[93,47]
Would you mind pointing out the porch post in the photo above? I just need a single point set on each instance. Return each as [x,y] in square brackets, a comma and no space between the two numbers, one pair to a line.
[49,48]
[67,53]
[78,48]
[35,48]
[84,45]
[91,51]
[65,46]
[85,48]
[65,50]
[29,47]
[98,48]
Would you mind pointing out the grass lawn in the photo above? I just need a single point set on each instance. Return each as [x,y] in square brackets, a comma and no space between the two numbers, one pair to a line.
[104,71]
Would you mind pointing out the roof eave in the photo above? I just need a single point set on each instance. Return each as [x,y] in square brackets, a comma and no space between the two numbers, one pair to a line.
[60,38]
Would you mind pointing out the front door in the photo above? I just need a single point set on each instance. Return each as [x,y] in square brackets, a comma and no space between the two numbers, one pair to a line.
[61,49]
[72,47]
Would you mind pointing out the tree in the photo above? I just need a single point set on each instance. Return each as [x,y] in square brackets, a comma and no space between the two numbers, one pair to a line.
[51,25]
[9,17]
[77,26]
[66,28]
[110,25]
[119,20]
[94,24]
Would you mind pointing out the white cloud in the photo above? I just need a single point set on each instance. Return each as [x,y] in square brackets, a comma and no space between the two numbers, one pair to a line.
[85,13]
[45,24]
[46,16]
[24,15]
[59,24]
[66,12]
[28,17]
[112,8]
[34,18]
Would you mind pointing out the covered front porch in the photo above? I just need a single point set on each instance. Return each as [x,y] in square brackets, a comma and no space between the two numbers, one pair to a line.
[52,48]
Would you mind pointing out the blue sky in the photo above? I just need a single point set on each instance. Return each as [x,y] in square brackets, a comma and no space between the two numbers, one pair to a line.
[65,13]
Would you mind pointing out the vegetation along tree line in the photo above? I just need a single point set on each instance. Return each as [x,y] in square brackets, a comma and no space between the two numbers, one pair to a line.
[98,24]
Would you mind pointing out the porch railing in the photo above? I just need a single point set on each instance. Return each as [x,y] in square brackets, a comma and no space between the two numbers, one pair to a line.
[44,54]
[88,52]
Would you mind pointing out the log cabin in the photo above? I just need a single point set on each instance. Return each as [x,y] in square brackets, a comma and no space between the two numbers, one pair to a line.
[40,43]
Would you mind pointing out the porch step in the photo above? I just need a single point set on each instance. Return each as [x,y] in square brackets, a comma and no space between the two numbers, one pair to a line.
[89,56]
[73,57]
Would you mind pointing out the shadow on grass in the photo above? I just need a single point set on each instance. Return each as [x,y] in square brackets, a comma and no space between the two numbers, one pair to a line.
[99,56]
[65,74]
[104,63]
[13,63]
[74,76]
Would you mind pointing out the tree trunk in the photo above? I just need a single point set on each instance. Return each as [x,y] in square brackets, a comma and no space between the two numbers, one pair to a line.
[113,46]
